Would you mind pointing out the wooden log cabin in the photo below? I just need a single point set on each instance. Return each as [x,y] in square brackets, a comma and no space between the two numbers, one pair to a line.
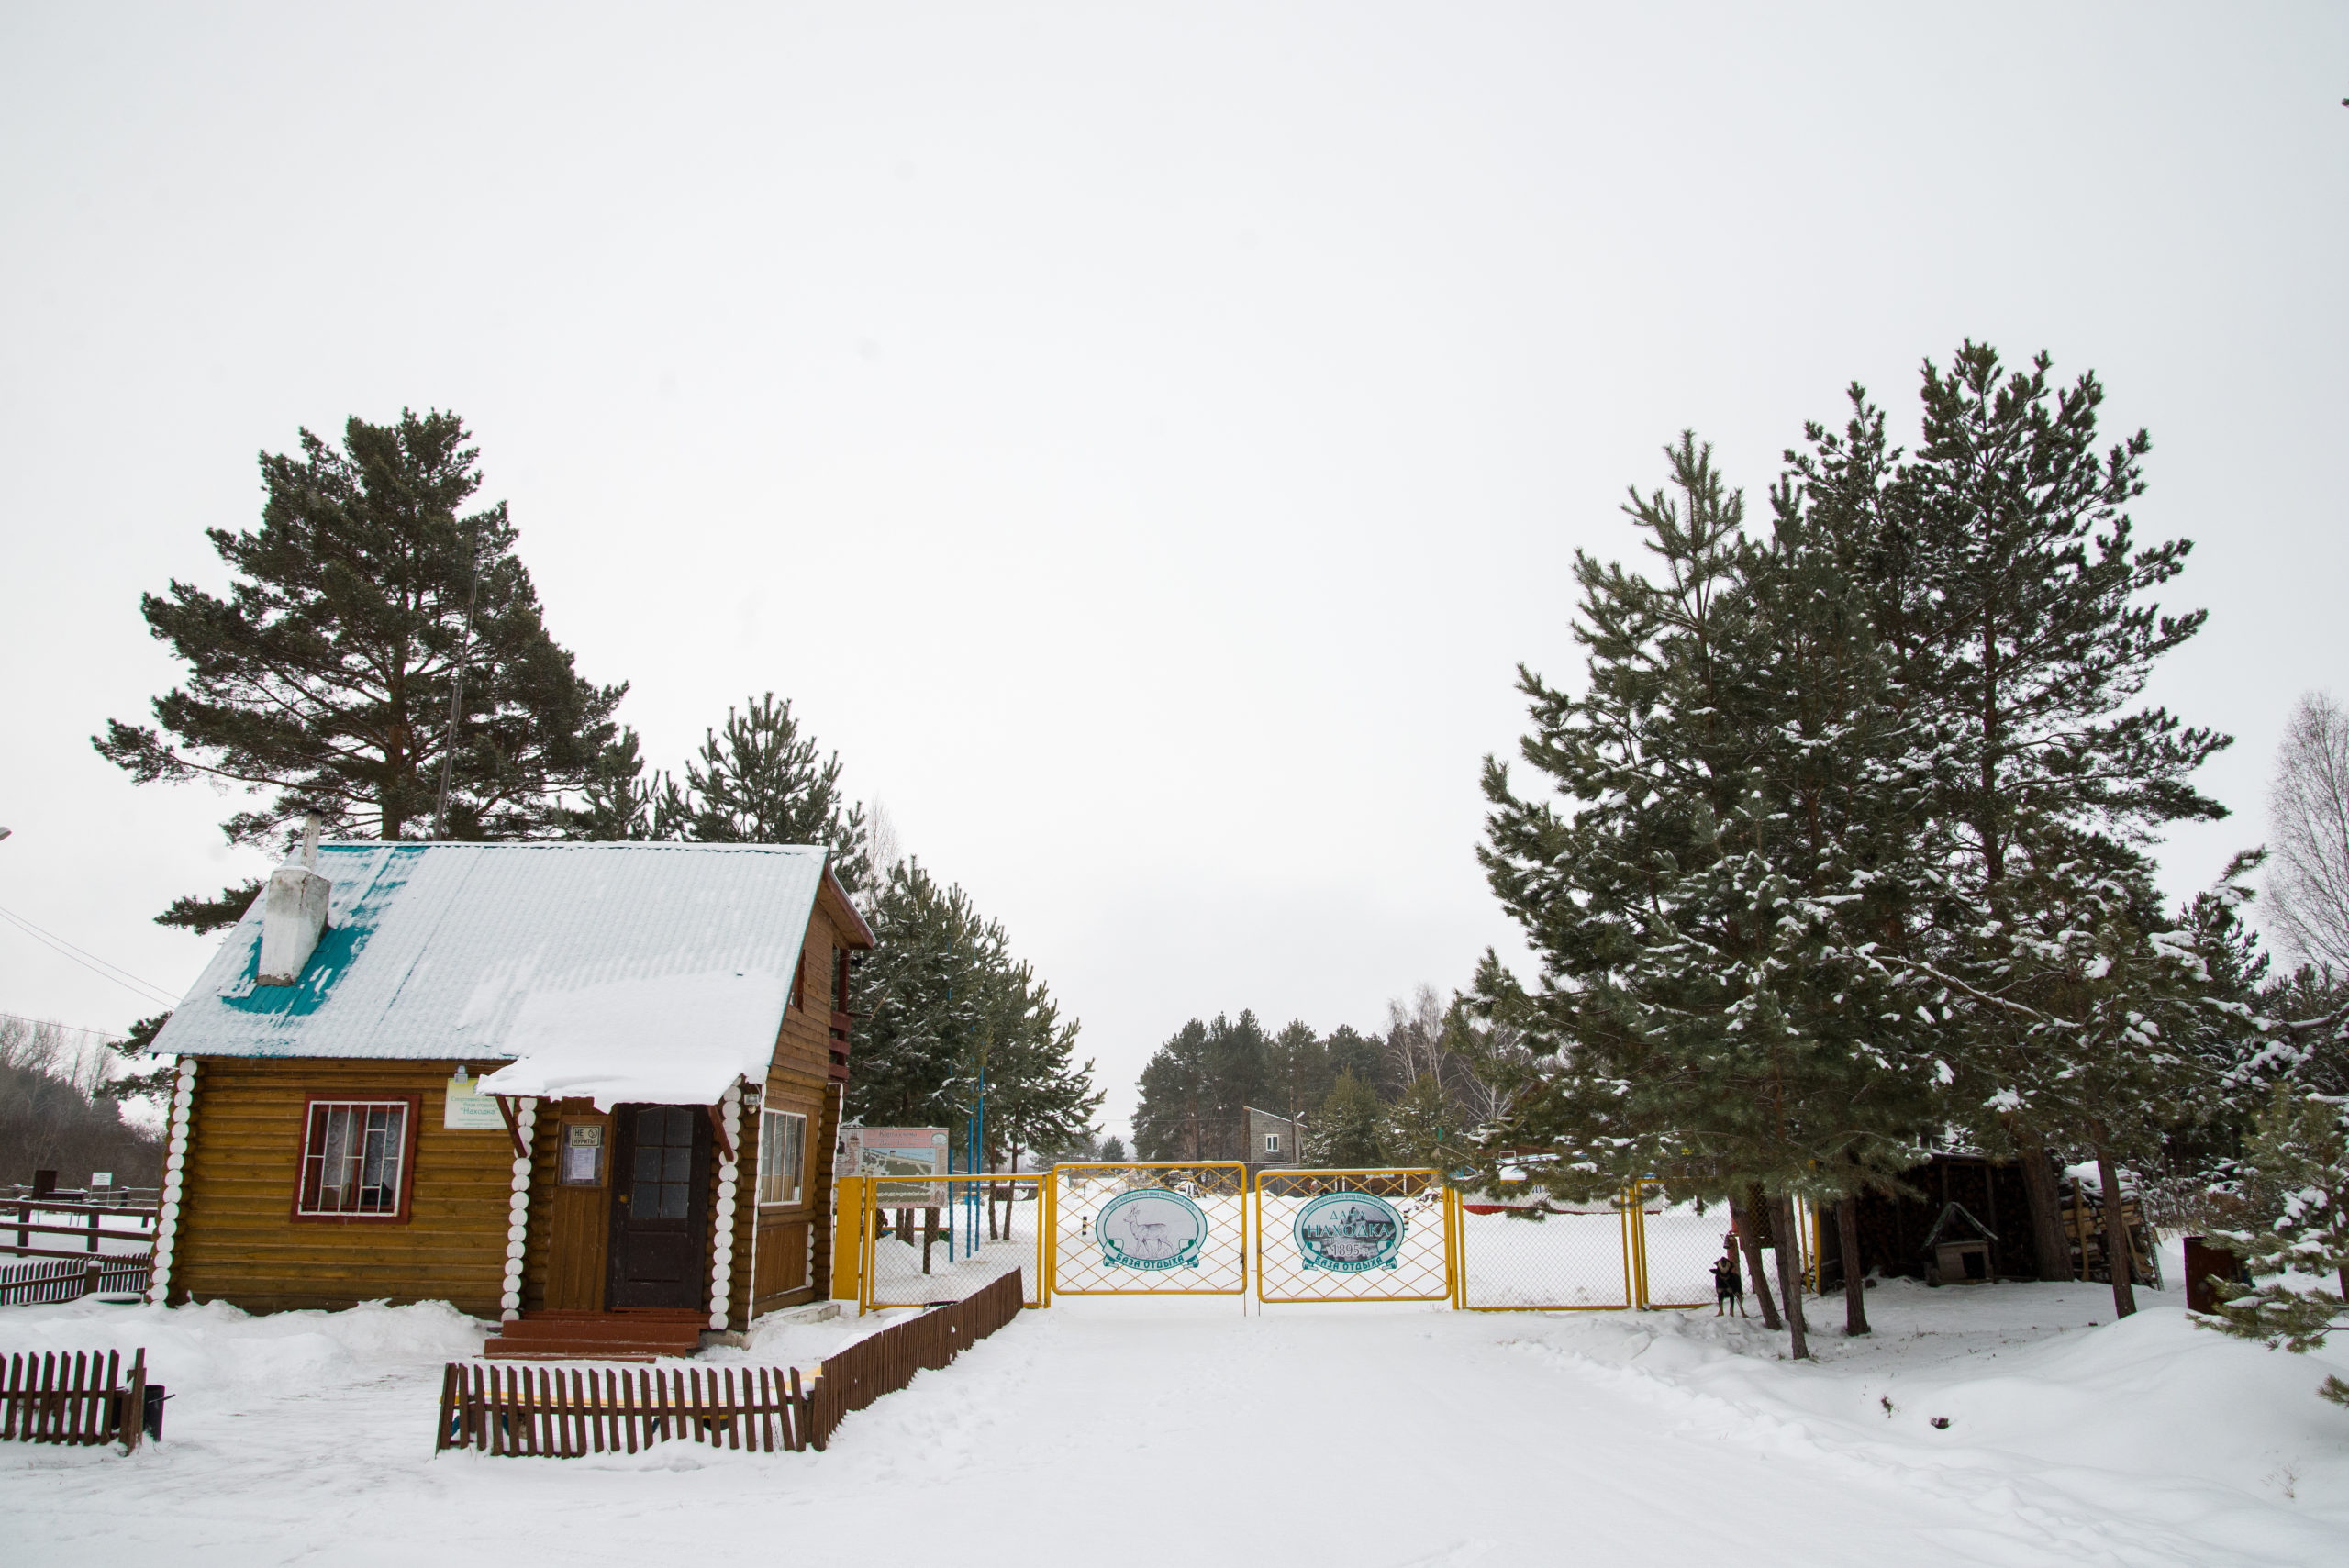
[588,1090]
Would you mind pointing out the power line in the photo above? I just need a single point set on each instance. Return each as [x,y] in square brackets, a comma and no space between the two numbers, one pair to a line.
[68,1029]
[85,952]
[89,961]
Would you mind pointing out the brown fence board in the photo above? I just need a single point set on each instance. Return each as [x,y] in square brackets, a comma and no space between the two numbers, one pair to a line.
[78,1398]
[564,1413]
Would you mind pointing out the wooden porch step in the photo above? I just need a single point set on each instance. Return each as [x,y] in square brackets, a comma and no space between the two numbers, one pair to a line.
[600,1336]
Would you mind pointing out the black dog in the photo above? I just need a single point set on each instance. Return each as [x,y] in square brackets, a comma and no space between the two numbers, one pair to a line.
[1729,1287]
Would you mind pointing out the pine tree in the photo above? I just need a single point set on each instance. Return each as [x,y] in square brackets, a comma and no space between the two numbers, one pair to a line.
[1347,1050]
[1195,1090]
[1347,1132]
[324,680]
[955,1025]
[143,1077]
[1418,1130]
[1035,1097]
[2296,1195]
[1296,1069]
[616,803]
[1714,908]
[759,780]
[1238,1066]
[1113,1148]
[927,998]
[2015,598]
[1174,1112]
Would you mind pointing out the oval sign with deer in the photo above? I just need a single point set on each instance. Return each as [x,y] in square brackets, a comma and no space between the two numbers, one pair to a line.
[1155,1229]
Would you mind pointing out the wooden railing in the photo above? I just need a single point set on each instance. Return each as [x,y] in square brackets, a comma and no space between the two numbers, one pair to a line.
[39,1226]
[41,1280]
[77,1398]
[564,1412]
[111,1197]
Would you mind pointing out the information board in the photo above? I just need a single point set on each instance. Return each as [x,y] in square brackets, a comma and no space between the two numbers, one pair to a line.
[466,1107]
[898,1159]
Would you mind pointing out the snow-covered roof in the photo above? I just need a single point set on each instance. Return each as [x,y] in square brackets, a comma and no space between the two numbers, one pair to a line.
[619,972]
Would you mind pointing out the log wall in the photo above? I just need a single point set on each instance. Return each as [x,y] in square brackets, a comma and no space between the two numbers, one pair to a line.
[238,1241]
[799,1080]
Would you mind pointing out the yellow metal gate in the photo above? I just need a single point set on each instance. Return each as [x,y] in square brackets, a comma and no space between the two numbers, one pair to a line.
[1546,1256]
[1370,1235]
[1148,1228]
[1192,1228]
[914,1252]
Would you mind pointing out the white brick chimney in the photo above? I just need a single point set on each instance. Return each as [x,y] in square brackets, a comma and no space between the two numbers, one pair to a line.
[293,913]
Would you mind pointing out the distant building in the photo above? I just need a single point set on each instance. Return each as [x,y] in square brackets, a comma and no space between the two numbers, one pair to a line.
[1271,1141]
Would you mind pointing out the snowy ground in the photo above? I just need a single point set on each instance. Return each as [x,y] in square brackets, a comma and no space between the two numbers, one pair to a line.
[1147,1432]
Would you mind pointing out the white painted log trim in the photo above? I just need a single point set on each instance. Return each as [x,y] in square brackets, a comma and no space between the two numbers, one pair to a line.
[721,1241]
[517,1212]
[167,1210]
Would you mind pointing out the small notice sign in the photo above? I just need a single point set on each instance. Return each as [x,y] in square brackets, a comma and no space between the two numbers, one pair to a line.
[899,1158]
[582,1154]
[467,1107]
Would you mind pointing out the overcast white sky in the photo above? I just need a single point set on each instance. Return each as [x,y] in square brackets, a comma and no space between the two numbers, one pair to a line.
[1142,440]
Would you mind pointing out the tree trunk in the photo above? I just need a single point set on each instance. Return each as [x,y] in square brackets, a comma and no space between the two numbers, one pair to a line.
[2046,1202]
[2120,1263]
[1741,1214]
[1847,1234]
[1782,1227]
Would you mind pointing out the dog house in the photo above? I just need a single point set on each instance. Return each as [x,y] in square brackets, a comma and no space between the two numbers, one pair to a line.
[1958,1248]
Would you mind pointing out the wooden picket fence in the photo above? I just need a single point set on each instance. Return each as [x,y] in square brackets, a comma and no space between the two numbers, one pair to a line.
[563,1412]
[40,1280]
[77,1398]
[886,1361]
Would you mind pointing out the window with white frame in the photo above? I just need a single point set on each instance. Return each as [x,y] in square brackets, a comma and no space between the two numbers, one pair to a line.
[783,1156]
[1272,1143]
[354,1158]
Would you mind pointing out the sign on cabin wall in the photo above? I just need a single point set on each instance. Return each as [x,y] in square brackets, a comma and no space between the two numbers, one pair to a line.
[467,1108]
[900,1157]
[582,1154]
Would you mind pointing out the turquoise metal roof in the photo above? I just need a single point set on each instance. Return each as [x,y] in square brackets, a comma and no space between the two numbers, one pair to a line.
[450,950]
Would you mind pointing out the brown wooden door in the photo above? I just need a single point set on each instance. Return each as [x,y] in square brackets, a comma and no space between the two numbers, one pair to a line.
[577,1266]
[660,1207]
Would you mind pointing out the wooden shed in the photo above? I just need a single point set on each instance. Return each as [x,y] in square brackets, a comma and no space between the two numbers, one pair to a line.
[1902,1235]
[585,1089]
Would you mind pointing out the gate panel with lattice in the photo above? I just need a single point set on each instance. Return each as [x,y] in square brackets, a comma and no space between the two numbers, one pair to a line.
[935,1239]
[1148,1228]
[1352,1236]
[1675,1245]
[1553,1257]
